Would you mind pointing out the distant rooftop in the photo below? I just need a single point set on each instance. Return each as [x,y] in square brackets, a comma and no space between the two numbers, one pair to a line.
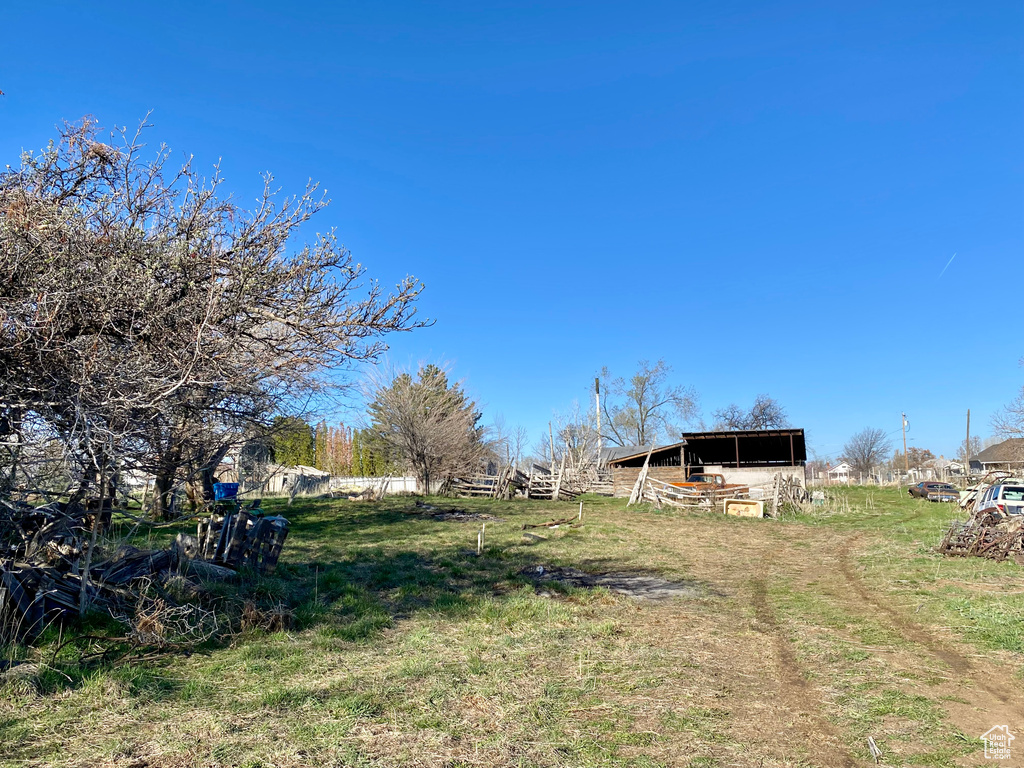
[1007,452]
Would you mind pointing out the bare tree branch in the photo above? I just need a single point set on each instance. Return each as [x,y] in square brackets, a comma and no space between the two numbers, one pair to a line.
[143,309]
[867,449]
[639,410]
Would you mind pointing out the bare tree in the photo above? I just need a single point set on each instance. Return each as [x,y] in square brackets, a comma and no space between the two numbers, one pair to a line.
[428,421]
[507,443]
[637,410]
[519,439]
[765,413]
[499,440]
[867,449]
[575,434]
[916,458]
[1008,423]
[152,323]
[730,418]
[963,455]
[1009,420]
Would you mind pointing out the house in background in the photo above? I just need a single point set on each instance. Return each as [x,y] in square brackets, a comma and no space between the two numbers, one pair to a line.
[1007,455]
[840,473]
[948,468]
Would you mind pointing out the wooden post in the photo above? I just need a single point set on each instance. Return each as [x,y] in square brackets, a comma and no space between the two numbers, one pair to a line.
[967,449]
[551,437]
[778,488]
[641,479]
[558,482]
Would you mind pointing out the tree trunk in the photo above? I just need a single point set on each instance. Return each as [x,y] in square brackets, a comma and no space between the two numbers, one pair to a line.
[206,473]
[163,483]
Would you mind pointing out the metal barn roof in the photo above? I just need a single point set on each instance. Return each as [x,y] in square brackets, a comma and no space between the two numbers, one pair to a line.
[737,448]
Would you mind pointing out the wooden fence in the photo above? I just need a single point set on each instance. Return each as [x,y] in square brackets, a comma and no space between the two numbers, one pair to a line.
[782,490]
[540,483]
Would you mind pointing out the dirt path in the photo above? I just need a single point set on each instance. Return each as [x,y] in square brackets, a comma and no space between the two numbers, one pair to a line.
[941,650]
[785,701]
[978,692]
[794,691]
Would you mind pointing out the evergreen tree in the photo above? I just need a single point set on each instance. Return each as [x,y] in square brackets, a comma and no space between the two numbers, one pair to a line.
[293,441]
[357,455]
[321,457]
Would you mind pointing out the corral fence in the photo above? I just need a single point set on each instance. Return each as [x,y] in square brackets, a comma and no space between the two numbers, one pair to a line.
[782,490]
[563,484]
[307,485]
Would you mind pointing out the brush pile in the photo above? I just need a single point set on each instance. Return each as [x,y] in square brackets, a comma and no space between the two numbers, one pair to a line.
[47,572]
[989,536]
[990,530]
[54,564]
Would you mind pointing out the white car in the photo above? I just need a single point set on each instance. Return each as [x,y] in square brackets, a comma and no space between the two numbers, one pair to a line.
[973,493]
[1002,499]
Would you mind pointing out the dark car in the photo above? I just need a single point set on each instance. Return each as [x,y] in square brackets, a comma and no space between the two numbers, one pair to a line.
[934,491]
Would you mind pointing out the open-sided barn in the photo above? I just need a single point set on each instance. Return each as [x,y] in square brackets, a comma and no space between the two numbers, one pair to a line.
[752,457]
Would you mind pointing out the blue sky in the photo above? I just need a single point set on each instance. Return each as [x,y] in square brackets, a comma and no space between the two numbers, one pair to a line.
[763,194]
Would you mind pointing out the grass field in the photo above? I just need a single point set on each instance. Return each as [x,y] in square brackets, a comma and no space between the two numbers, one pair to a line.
[789,643]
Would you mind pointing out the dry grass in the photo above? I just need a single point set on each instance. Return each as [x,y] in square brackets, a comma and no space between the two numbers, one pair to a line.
[385,641]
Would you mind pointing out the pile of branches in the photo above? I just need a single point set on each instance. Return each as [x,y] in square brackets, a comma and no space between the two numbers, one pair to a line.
[52,567]
[990,536]
[55,566]
[786,493]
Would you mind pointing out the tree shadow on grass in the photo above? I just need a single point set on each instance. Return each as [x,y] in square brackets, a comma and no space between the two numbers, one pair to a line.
[394,561]
[352,571]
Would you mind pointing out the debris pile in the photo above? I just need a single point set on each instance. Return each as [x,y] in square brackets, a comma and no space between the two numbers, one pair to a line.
[555,523]
[47,571]
[454,515]
[990,531]
[787,491]
[985,536]
[54,565]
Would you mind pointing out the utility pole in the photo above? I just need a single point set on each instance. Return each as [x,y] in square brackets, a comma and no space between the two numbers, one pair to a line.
[597,398]
[906,459]
[967,449]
